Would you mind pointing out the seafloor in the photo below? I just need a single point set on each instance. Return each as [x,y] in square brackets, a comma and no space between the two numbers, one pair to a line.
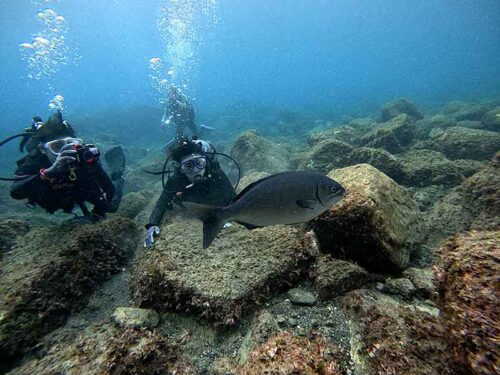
[400,277]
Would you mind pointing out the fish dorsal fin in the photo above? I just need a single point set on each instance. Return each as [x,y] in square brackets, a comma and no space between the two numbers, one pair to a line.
[252,185]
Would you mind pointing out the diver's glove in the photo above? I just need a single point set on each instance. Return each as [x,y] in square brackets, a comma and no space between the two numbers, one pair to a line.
[153,232]
[62,163]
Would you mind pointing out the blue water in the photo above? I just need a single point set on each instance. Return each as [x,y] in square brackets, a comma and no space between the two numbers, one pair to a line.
[345,56]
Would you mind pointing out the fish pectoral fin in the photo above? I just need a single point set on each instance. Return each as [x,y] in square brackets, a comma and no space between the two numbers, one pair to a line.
[249,226]
[306,203]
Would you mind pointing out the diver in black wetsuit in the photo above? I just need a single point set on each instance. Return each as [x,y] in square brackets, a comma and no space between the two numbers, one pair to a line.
[179,114]
[60,171]
[198,178]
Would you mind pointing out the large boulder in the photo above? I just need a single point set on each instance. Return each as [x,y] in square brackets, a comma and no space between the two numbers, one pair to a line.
[105,349]
[326,155]
[466,278]
[10,230]
[463,111]
[51,272]
[239,270]
[395,135]
[398,107]
[390,338]
[376,224]
[256,153]
[380,159]
[491,119]
[464,143]
[424,126]
[425,167]
[344,133]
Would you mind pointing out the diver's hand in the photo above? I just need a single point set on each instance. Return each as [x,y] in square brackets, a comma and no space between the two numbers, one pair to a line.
[153,232]
[61,164]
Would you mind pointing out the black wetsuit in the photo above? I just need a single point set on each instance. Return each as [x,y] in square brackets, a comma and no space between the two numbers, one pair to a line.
[215,190]
[92,184]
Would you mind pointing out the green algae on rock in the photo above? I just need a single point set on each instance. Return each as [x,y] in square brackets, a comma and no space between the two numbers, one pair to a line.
[241,269]
[376,224]
[398,107]
[395,135]
[466,279]
[52,271]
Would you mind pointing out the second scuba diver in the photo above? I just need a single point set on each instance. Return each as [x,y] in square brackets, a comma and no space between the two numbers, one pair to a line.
[197,178]
[60,171]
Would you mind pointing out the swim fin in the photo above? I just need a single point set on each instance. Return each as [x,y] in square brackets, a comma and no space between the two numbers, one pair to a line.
[115,158]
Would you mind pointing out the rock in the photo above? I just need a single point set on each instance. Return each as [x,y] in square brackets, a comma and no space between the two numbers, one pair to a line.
[251,178]
[363,124]
[464,143]
[327,155]
[402,287]
[389,338]
[424,168]
[380,159]
[133,203]
[241,269]
[398,107]
[421,278]
[254,152]
[333,277]
[491,119]
[424,126]
[301,297]
[427,196]
[47,276]
[344,133]
[469,167]
[394,135]
[287,354]
[470,112]
[104,349]
[10,230]
[133,317]
[466,279]
[376,224]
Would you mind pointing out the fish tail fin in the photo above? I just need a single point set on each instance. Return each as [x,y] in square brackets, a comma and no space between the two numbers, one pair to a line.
[212,227]
[213,220]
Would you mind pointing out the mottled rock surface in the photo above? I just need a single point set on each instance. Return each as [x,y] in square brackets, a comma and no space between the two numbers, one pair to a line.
[464,143]
[398,107]
[390,338]
[376,224]
[301,297]
[10,230]
[107,350]
[395,135]
[491,119]
[425,167]
[256,153]
[241,269]
[51,273]
[326,155]
[133,317]
[467,272]
[333,277]
[380,159]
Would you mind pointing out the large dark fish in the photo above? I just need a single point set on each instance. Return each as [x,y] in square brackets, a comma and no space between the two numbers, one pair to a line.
[283,198]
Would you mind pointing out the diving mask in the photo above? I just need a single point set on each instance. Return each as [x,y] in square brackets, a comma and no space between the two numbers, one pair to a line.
[55,147]
[194,165]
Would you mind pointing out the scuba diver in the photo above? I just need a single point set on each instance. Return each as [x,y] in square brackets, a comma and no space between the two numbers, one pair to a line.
[60,171]
[197,178]
[180,114]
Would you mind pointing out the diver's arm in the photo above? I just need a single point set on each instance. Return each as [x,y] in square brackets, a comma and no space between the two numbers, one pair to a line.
[31,184]
[164,203]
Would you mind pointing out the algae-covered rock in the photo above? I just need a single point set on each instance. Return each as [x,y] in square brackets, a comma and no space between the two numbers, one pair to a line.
[389,338]
[491,119]
[424,126]
[378,158]
[327,155]
[466,278]
[398,107]
[133,203]
[464,143]
[10,230]
[333,277]
[394,135]
[425,167]
[288,355]
[52,271]
[402,287]
[108,350]
[254,152]
[133,317]
[421,278]
[344,133]
[463,111]
[376,224]
[239,270]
